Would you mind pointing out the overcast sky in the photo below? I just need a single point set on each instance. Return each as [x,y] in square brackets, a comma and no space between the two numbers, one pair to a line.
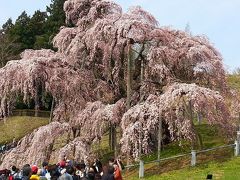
[217,19]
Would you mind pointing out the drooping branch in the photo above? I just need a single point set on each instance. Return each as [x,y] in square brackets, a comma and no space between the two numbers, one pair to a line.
[32,148]
[172,105]
[87,76]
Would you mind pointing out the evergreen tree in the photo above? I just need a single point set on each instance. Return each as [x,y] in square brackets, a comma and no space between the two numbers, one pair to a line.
[56,17]
[22,33]
[7,26]
[38,27]
[7,48]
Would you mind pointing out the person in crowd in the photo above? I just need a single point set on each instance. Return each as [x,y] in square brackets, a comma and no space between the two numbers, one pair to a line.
[117,168]
[108,173]
[66,175]
[53,172]
[70,170]
[87,166]
[62,165]
[26,172]
[15,173]
[44,169]
[117,172]
[91,174]
[69,162]
[82,168]
[97,166]
[66,170]
[4,174]
[34,175]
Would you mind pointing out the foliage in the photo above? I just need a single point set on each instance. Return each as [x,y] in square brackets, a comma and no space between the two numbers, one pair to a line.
[35,32]
[36,146]
[56,17]
[7,49]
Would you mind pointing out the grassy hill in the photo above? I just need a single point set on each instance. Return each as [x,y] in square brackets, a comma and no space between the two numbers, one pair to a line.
[171,169]
[234,81]
[18,126]
[228,170]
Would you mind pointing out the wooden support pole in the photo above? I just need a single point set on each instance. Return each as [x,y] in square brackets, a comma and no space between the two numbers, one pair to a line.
[51,113]
[159,137]
[142,79]
[36,107]
[110,137]
[140,142]
[129,76]
[199,117]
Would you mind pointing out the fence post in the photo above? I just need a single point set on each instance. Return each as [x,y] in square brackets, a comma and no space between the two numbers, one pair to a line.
[194,157]
[141,169]
[237,143]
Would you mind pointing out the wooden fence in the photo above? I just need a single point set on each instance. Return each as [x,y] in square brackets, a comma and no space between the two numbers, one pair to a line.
[193,156]
[30,112]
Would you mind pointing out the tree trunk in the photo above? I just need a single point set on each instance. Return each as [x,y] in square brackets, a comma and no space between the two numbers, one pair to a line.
[37,107]
[239,121]
[49,151]
[199,137]
[159,137]
[51,113]
[99,147]
[129,76]
[128,156]
[140,142]
[112,137]
[74,151]
[69,136]
[114,141]
[129,84]
[142,78]
[199,117]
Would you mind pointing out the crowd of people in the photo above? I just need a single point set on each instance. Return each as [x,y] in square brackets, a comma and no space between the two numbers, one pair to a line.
[66,170]
[7,146]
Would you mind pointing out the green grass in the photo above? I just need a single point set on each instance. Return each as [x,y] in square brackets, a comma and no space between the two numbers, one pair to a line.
[211,136]
[234,81]
[18,126]
[228,170]
[171,169]
[168,168]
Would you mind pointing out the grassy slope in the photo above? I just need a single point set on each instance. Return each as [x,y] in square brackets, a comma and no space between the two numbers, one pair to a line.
[213,162]
[211,136]
[19,126]
[228,170]
[234,81]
